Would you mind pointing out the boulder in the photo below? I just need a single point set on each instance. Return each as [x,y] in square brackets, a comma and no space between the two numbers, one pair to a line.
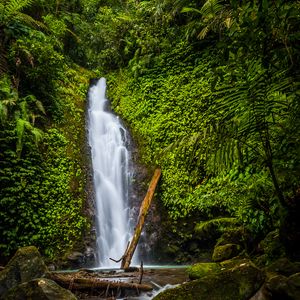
[236,235]
[282,287]
[225,252]
[39,289]
[239,283]
[284,267]
[25,265]
[293,284]
[272,247]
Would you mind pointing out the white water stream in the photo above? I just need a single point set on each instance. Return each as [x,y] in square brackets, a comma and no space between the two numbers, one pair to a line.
[110,160]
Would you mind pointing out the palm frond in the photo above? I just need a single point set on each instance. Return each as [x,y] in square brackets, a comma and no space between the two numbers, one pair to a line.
[190,9]
[211,7]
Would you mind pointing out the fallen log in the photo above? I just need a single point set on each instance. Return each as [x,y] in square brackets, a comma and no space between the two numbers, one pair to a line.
[75,283]
[126,258]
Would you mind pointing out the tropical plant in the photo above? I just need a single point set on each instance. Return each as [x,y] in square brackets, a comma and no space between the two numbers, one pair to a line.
[13,23]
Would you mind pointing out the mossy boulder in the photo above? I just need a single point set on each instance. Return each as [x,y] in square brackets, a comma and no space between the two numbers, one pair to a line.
[25,265]
[272,246]
[282,287]
[225,252]
[238,283]
[236,235]
[39,289]
[284,267]
[203,269]
[212,229]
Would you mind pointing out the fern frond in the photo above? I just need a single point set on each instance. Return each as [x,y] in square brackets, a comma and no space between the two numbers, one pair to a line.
[28,20]
[190,9]
[3,112]
[211,7]
[3,61]
[14,6]
[40,106]
[203,33]
[37,133]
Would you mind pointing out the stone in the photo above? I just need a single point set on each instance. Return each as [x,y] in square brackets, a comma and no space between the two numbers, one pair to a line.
[284,266]
[238,283]
[282,287]
[293,284]
[277,286]
[75,260]
[225,252]
[25,265]
[236,235]
[39,289]
[262,294]
[200,270]
[272,247]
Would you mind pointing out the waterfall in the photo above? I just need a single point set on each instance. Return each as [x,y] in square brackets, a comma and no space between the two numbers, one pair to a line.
[110,161]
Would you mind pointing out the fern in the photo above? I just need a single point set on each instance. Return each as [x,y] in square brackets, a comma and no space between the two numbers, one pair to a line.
[13,7]
[214,226]
[211,7]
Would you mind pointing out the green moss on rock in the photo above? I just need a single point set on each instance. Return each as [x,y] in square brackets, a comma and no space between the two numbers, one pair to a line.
[200,270]
[238,283]
[284,266]
[225,252]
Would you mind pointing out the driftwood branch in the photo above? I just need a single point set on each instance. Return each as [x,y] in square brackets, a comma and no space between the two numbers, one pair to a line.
[141,272]
[117,261]
[126,259]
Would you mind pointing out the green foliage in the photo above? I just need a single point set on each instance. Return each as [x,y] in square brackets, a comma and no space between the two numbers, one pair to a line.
[37,205]
[216,118]
[209,89]
[41,177]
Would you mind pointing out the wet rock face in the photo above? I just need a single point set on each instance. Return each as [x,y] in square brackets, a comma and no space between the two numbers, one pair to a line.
[239,283]
[39,289]
[25,265]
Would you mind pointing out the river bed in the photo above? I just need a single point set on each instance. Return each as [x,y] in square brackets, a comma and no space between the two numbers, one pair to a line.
[159,277]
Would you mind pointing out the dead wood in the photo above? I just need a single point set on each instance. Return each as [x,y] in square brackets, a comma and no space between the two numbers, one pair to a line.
[126,258]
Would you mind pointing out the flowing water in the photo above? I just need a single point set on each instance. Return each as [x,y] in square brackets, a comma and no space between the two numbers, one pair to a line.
[110,161]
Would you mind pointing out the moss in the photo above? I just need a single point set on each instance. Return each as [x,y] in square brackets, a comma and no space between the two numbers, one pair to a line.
[202,269]
[284,266]
[236,235]
[238,283]
[225,252]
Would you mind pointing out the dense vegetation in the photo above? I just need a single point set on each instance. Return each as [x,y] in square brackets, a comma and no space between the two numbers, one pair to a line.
[209,89]
[42,102]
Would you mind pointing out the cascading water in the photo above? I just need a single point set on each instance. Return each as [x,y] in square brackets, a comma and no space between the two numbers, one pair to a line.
[110,160]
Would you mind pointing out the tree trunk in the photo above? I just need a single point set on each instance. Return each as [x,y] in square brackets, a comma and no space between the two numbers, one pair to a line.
[126,259]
